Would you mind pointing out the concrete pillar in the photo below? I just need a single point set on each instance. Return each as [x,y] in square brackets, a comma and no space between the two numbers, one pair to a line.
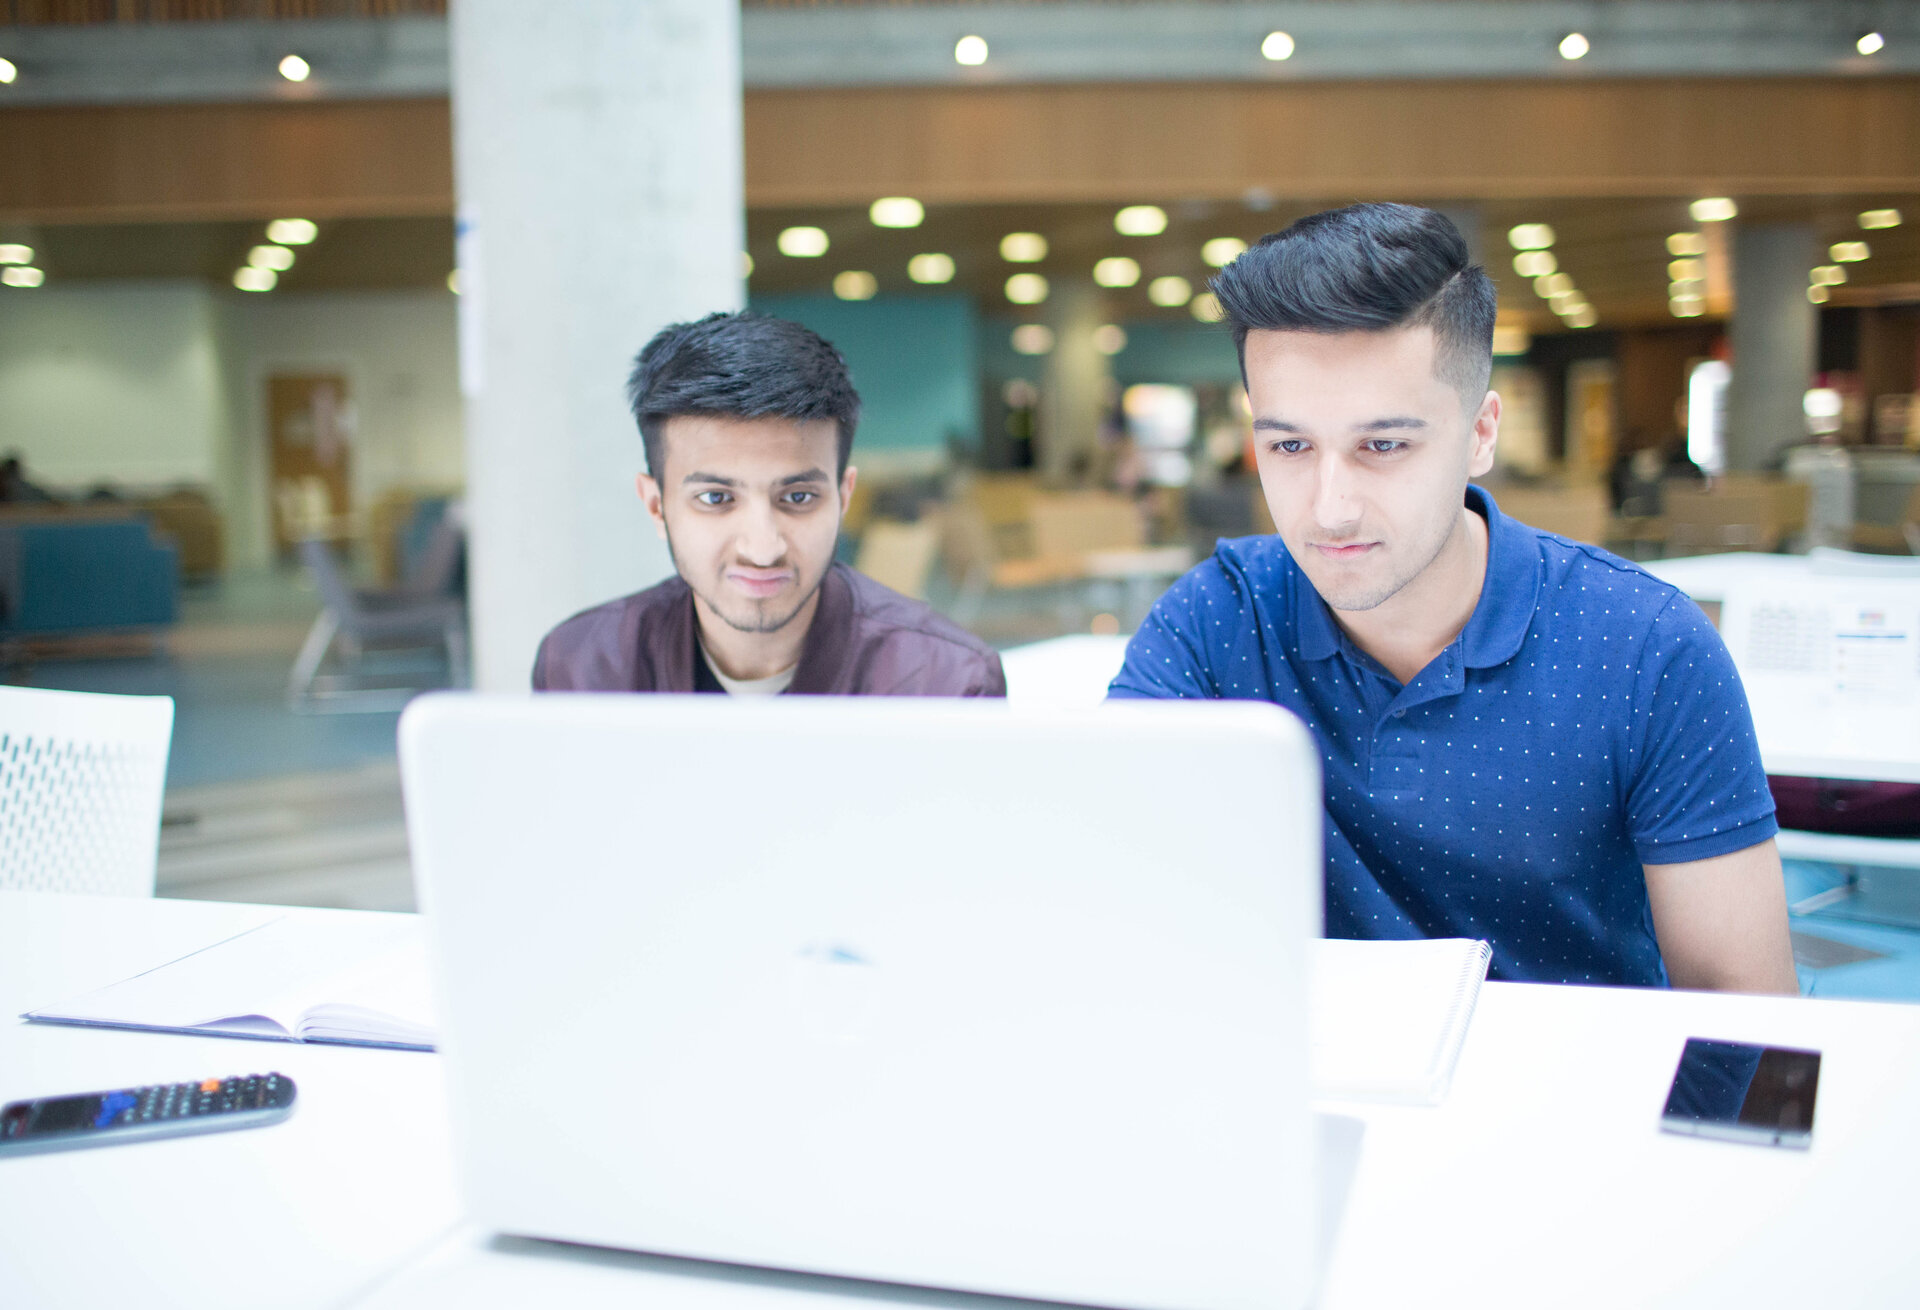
[598,168]
[1775,336]
[1074,387]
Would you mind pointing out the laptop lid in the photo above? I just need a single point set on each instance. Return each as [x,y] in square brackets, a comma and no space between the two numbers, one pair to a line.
[933,992]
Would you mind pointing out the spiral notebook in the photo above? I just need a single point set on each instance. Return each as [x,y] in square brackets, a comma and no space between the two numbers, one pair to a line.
[1389,1018]
[361,982]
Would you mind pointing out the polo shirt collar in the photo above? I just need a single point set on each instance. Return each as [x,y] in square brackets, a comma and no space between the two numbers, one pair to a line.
[1500,618]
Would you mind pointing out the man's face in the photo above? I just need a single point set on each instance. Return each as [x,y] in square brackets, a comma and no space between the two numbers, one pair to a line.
[750,510]
[1364,455]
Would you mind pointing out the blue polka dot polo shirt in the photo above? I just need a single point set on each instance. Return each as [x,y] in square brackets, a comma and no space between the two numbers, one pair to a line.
[1588,720]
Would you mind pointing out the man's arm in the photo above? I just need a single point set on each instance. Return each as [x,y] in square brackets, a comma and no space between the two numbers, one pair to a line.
[1722,922]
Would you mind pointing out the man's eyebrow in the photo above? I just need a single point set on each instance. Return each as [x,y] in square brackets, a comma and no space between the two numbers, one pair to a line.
[713,478]
[794,479]
[1398,422]
[1273,425]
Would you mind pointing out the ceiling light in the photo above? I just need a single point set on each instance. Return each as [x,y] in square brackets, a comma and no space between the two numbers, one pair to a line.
[1819,294]
[1511,339]
[970,50]
[13,254]
[1140,221]
[1687,243]
[292,231]
[1026,288]
[1686,270]
[255,279]
[1827,275]
[1848,252]
[295,69]
[1222,251]
[1870,43]
[1530,236]
[930,268]
[746,265]
[1574,46]
[1571,302]
[1535,263]
[855,285]
[1714,209]
[1692,286]
[1206,307]
[1033,338]
[1109,338]
[1553,284]
[1583,317]
[453,281]
[277,258]
[1878,218]
[1277,46]
[1023,247]
[1690,306]
[1116,271]
[802,242]
[1170,292]
[22,275]
[8,71]
[896,211]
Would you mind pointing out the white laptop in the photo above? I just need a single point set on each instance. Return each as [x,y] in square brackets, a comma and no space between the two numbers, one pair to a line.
[945,993]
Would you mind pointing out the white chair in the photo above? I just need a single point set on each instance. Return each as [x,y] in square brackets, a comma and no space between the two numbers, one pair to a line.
[81,778]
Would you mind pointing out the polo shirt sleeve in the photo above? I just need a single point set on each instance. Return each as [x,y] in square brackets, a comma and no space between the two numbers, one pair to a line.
[1167,658]
[1697,788]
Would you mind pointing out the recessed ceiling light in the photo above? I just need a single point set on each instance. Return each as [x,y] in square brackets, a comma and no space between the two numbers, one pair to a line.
[1553,284]
[1170,292]
[1870,43]
[896,211]
[855,284]
[1574,46]
[1277,46]
[1713,209]
[292,231]
[277,258]
[1033,338]
[22,275]
[1116,271]
[1026,288]
[1023,247]
[1827,275]
[1689,306]
[1879,218]
[1686,270]
[1848,252]
[930,268]
[295,69]
[1222,251]
[8,71]
[1530,236]
[970,51]
[453,281]
[802,242]
[1535,263]
[1817,293]
[1687,243]
[1109,338]
[1582,317]
[15,254]
[1140,221]
[1206,307]
[255,279]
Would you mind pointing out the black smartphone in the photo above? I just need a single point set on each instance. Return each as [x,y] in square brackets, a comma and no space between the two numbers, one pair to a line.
[1744,1093]
[129,1114]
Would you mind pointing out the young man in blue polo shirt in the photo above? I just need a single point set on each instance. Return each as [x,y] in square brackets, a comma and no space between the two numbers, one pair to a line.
[1523,738]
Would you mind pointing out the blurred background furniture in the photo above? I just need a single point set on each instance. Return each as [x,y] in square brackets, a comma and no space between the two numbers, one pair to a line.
[81,778]
[83,571]
[1733,513]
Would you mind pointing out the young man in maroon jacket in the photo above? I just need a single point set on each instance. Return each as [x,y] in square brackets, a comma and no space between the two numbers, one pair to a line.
[748,423]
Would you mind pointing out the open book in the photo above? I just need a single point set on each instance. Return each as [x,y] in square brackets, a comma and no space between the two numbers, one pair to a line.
[293,979]
[1389,1018]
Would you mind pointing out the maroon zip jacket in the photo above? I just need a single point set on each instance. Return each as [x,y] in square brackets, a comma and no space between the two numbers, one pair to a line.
[865,641]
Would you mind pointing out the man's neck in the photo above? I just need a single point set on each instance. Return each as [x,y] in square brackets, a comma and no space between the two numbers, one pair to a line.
[1411,629]
[745,656]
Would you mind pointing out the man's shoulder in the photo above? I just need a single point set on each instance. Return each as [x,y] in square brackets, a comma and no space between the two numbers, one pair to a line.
[910,647]
[879,610]
[1610,587]
[595,649]
[1242,570]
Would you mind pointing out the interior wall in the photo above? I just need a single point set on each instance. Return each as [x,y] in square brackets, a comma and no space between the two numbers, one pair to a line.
[1653,380]
[113,383]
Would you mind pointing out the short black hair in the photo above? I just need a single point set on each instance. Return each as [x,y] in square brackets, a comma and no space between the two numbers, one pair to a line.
[742,365]
[1368,268]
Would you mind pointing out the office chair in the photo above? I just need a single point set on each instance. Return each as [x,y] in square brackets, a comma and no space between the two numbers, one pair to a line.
[81,778]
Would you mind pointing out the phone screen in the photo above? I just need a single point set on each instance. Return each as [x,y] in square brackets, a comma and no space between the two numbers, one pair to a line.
[1743,1093]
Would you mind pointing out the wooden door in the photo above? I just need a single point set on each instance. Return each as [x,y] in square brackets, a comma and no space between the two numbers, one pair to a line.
[309,431]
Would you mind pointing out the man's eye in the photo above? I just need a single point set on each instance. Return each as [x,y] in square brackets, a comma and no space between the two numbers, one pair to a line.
[802,497]
[1385,446]
[1290,446]
[712,497]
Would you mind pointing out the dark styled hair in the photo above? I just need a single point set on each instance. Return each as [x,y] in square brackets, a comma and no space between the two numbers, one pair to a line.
[742,365]
[1367,268]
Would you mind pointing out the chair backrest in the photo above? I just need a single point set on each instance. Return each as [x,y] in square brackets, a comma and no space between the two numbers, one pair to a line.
[336,592]
[81,779]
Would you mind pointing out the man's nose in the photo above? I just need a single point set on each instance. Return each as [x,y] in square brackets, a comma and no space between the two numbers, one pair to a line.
[1334,503]
[762,542]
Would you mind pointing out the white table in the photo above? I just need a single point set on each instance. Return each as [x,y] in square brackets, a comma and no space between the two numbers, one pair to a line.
[1542,1180]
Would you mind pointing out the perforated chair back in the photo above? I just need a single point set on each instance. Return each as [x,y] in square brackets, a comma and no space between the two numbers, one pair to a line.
[81,778]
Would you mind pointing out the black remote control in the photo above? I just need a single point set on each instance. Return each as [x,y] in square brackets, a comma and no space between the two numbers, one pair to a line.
[59,1123]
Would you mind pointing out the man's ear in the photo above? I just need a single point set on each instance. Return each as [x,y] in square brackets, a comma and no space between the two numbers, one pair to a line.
[847,480]
[650,497]
[1485,436]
